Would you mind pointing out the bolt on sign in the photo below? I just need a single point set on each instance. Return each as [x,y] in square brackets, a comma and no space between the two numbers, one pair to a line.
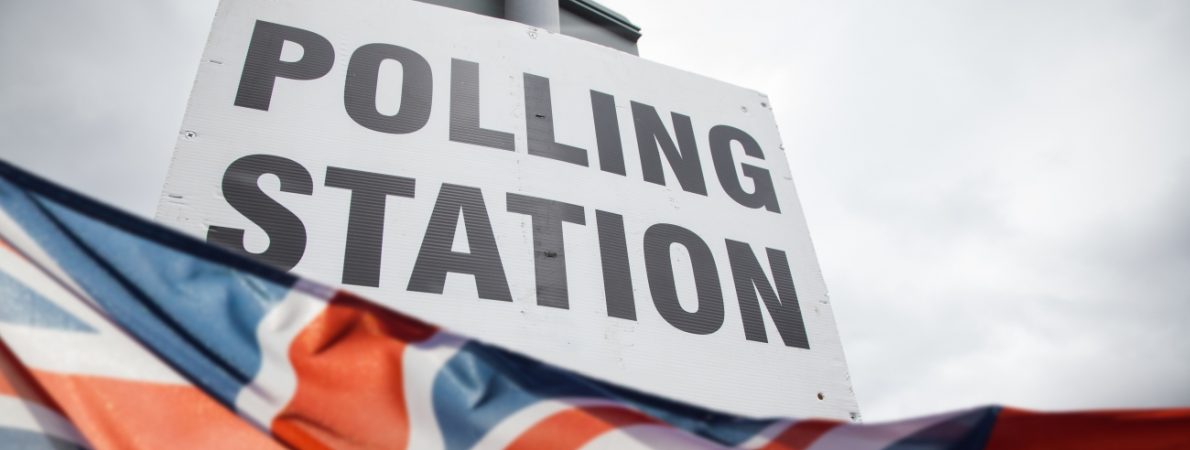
[611,215]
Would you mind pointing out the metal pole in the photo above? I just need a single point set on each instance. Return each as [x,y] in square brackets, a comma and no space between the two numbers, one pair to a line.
[538,13]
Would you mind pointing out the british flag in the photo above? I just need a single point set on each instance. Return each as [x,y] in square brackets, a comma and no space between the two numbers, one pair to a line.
[119,333]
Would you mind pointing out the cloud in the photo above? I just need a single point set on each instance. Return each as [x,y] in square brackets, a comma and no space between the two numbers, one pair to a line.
[996,191]
[92,94]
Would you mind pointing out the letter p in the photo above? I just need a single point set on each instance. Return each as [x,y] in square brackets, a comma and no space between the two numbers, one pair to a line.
[263,65]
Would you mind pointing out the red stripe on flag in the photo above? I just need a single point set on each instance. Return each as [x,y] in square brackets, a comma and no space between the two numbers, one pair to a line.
[350,382]
[573,428]
[1017,429]
[801,434]
[124,414]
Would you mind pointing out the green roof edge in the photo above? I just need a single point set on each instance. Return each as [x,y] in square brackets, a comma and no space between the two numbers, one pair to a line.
[600,14]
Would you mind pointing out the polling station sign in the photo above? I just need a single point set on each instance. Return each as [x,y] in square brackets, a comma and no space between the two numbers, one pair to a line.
[611,215]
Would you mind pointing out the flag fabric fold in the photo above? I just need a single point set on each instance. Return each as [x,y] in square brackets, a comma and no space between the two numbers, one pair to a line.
[118,333]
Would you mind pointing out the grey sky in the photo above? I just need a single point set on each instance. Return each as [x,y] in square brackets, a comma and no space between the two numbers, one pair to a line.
[996,190]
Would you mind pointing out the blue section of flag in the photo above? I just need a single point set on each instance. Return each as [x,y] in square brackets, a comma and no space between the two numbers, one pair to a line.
[184,299]
[482,385]
[191,291]
[21,305]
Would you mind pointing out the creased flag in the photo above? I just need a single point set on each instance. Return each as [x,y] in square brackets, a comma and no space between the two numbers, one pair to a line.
[119,333]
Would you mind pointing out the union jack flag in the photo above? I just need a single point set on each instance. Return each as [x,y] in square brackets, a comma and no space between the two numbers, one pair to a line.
[119,333]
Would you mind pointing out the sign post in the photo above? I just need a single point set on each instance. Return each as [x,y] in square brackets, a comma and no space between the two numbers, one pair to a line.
[537,13]
[611,215]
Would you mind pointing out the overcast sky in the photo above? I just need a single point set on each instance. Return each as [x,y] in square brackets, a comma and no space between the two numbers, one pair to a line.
[997,191]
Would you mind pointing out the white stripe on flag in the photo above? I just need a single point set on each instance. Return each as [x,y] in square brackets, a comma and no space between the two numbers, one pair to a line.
[420,365]
[22,415]
[106,351]
[276,383]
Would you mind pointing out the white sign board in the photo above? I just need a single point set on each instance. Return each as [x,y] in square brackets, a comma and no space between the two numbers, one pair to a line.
[611,215]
